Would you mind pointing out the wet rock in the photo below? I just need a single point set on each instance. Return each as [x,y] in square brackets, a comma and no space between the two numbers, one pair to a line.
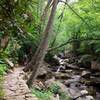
[61,68]
[42,72]
[89,97]
[71,66]
[86,74]
[66,60]
[73,82]
[84,92]
[60,75]
[49,82]
[74,93]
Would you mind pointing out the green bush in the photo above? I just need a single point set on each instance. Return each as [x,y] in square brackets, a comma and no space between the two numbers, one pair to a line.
[3,69]
[54,88]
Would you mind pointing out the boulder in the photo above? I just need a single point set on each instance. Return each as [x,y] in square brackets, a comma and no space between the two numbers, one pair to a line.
[84,92]
[89,97]
[49,82]
[85,61]
[43,70]
[86,74]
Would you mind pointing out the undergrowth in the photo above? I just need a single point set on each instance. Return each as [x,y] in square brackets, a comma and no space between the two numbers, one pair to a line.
[1,89]
[42,95]
[3,69]
[50,92]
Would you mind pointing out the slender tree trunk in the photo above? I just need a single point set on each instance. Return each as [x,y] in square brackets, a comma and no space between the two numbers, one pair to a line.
[34,59]
[43,47]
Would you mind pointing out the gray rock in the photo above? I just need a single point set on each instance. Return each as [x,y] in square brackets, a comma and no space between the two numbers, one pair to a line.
[86,74]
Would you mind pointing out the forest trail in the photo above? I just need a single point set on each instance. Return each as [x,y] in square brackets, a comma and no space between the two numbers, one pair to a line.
[15,87]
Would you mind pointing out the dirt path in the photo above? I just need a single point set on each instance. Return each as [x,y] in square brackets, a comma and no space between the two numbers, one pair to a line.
[15,87]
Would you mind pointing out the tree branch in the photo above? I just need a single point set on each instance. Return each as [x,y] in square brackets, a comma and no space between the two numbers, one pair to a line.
[70,41]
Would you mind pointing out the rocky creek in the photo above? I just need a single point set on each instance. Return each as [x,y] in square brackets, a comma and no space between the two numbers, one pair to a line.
[81,83]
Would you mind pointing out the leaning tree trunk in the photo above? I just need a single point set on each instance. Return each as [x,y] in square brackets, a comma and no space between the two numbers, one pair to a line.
[30,64]
[42,49]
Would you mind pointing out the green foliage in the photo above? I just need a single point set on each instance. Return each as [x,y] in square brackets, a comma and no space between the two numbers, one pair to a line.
[3,69]
[84,24]
[42,95]
[21,21]
[54,88]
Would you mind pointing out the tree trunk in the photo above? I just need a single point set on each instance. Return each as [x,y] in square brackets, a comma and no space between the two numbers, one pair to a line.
[43,47]
[30,64]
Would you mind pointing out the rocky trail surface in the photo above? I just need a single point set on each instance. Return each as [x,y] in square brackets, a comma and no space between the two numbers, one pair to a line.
[15,87]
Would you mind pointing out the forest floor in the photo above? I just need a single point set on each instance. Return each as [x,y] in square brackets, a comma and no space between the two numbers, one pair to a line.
[15,87]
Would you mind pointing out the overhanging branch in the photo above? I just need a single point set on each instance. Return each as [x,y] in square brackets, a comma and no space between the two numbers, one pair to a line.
[70,41]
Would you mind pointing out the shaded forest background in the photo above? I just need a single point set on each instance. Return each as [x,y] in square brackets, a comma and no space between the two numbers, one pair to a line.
[76,28]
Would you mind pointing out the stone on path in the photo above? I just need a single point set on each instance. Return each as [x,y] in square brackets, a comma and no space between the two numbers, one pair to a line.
[15,87]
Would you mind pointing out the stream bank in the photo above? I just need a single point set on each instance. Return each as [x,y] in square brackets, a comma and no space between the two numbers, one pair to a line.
[80,82]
